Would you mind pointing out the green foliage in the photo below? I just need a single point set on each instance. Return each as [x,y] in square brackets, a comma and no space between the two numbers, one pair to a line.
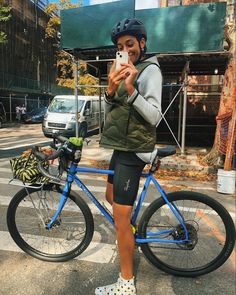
[53,10]
[65,66]
[4,16]
[3,37]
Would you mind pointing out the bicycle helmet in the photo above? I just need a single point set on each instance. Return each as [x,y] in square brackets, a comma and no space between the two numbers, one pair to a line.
[128,26]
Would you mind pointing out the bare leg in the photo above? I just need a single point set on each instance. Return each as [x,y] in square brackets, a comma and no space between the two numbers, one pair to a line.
[125,238]
[125,283]
[109,193]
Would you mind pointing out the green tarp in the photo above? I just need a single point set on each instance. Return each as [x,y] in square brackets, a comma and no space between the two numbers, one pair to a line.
[195,28]
[90,26]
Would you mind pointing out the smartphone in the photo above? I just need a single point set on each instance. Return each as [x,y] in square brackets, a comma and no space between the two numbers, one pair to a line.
[121,58]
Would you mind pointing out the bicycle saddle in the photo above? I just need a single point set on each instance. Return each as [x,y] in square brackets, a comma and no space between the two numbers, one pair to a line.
[167,151]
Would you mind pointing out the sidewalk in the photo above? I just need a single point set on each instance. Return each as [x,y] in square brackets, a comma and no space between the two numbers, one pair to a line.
[92,151]
[178,162]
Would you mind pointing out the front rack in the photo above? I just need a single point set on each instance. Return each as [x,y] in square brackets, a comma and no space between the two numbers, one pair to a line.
[17,182]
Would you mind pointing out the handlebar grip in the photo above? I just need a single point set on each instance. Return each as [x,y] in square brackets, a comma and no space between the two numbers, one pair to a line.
[55,155]
[61,138]
[38,154]
[41,156]
[47,174]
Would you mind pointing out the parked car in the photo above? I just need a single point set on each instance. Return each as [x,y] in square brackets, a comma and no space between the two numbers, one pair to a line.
[35,116]
[60,116]
[2,114]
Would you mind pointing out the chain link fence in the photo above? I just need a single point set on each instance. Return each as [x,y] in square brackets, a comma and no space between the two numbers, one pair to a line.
[11,102]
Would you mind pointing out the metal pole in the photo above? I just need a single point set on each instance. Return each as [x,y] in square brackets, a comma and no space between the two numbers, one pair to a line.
[104,110]
[26,100]
[10,107]
[38,74]
[38,101]
[76,63]
[100,106]
[184,112]
[180,114]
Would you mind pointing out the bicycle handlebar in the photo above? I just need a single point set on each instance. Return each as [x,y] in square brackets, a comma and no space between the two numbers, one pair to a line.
[41,156]
[66,151]
[61,138]
[47,174]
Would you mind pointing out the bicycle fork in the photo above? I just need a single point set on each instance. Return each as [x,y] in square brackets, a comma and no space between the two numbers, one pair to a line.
[61,205]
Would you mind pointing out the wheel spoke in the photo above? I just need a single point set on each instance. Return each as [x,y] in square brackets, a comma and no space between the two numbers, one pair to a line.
[35,210]
[207,225]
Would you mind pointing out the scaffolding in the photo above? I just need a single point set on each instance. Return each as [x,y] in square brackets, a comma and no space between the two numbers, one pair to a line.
[196,49]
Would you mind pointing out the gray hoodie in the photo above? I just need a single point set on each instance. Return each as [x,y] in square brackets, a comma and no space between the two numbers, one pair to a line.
[146,99]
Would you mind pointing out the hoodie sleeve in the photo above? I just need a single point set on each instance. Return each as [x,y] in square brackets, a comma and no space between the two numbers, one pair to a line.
[147,98]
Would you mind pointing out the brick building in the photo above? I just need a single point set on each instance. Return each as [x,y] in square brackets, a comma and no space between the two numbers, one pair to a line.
[27,61]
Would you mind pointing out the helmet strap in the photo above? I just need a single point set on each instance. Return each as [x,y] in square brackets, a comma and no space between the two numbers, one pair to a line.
[142,52]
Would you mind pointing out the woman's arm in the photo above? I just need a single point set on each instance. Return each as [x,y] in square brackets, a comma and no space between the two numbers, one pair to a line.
[147,99]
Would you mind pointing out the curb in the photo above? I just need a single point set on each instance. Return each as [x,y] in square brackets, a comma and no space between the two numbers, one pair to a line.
[11,125]
[188,167]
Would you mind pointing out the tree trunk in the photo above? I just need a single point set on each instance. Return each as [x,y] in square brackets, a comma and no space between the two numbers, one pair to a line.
[227,100]
[230,141]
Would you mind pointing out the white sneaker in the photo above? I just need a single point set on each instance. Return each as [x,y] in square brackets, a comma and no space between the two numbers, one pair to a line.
[121,287]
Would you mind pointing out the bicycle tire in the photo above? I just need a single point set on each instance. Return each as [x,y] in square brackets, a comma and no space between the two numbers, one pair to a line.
[70,235]
[209,213]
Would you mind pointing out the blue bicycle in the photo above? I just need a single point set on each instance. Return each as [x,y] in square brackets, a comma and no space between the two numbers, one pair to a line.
[183,233]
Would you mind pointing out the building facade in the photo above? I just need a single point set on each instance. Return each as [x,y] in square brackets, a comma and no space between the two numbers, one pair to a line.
[27,60]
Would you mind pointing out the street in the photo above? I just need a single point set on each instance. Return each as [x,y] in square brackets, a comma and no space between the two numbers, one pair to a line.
[98,265]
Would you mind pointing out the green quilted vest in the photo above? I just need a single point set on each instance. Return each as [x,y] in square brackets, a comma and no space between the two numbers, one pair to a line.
[125,129]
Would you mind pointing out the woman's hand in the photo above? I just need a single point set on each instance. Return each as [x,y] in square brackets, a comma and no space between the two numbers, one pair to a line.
[127,72]
[114,79]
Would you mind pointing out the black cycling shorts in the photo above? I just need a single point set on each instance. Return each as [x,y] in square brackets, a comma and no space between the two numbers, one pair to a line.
[128,168]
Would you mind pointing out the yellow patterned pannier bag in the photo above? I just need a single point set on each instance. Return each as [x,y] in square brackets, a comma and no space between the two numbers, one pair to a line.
[25,168]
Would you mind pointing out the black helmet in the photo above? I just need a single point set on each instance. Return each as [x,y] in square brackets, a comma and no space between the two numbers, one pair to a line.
[128,26]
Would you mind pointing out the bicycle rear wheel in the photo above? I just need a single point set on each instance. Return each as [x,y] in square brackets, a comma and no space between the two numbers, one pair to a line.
[210,227]
[28,213]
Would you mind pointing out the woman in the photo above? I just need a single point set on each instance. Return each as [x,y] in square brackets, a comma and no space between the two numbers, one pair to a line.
[134,92]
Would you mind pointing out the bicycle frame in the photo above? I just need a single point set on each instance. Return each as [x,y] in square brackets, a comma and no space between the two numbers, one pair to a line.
[151,236]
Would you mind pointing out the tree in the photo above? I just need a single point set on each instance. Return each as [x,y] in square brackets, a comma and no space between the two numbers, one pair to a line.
[4,16]
[227,101]
[64,61]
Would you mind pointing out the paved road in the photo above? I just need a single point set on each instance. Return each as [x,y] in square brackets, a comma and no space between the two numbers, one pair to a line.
[22,274]
[15,139]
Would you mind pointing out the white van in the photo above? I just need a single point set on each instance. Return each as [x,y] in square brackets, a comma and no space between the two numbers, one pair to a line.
[60,116]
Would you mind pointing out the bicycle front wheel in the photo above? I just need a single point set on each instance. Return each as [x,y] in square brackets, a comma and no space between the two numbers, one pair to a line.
[31,210]
[210,228]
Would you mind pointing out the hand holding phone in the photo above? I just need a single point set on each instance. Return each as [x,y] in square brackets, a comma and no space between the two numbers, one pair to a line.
[121,58]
